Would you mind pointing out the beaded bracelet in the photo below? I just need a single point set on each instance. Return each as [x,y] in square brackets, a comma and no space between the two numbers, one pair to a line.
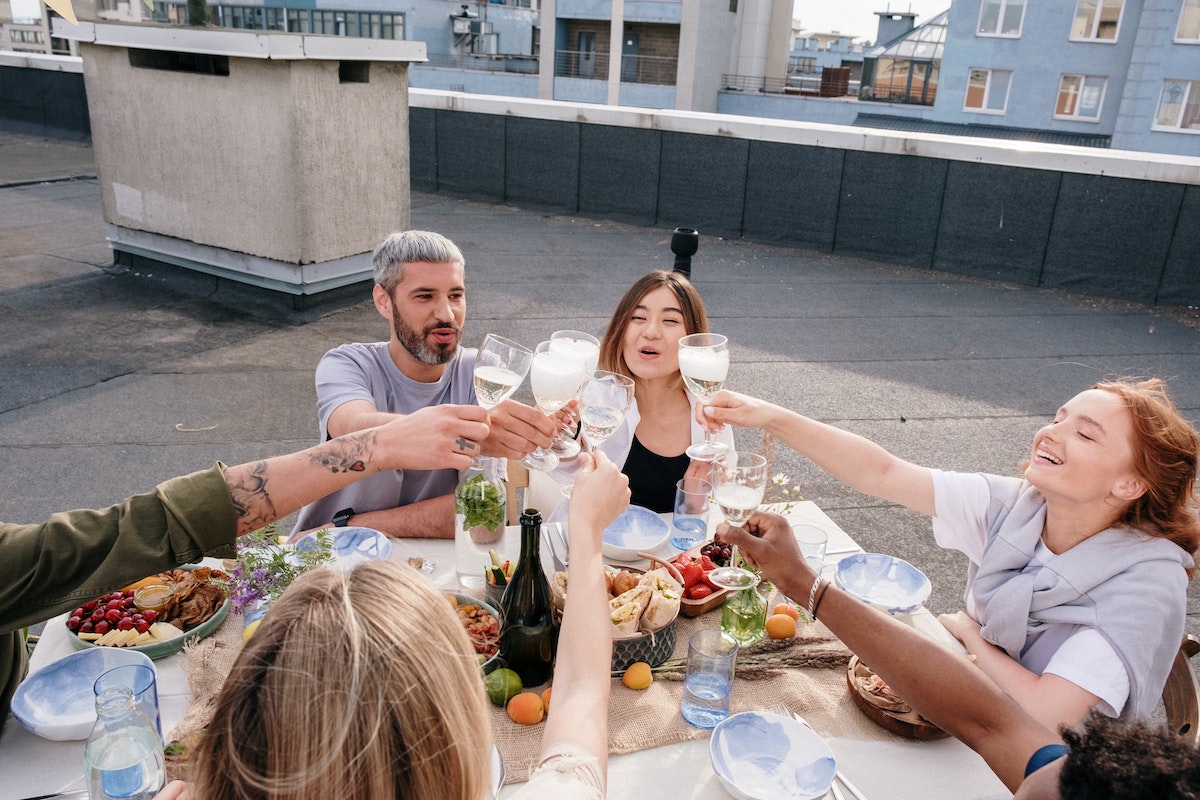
[812,598]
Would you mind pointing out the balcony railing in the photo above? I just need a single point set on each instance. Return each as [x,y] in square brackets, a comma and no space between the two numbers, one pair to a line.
[525,65]
[802,84]
[634,69]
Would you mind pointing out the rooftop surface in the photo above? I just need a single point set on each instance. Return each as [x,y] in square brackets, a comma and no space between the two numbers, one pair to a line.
[113,381]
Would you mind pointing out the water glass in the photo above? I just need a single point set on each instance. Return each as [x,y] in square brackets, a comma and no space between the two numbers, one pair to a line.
[712,656]
[689,523]
[140,680]
[812,541]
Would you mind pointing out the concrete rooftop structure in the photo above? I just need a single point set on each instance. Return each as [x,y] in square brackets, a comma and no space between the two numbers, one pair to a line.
[110,383]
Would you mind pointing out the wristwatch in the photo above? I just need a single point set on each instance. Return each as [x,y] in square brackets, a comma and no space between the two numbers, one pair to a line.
[342,518]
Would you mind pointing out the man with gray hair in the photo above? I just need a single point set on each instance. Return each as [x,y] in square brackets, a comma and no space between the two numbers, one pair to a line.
[419,290]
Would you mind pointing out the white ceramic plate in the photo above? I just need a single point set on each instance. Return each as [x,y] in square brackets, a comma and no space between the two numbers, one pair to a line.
[886,582]
[763,756]
[637,530]
[353,545]
[58,702]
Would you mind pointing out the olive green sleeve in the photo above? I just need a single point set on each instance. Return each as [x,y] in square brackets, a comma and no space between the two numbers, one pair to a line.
[74,556]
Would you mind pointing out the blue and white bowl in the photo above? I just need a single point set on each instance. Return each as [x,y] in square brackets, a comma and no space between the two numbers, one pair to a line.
[353,545]
[886,582]
[762,756]
[58,701]
[637,530]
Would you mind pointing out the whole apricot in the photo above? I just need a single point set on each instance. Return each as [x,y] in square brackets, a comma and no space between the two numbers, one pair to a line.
[781,626]
[638,676]
[526,708]
[786,608]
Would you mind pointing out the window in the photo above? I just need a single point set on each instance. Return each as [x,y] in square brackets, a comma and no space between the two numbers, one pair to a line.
[1080,97]
[1097,20]
[1189,22]
[1001,17]
[1179,107]
[987,90]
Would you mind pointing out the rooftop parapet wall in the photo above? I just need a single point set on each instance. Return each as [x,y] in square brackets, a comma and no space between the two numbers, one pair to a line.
[1112,223]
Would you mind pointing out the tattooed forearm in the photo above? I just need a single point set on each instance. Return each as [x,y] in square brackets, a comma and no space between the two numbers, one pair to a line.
[248,490]
[347,454]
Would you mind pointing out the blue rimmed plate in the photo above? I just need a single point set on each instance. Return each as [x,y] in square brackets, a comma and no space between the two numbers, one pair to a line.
[637,530]
[886,582]
[762,756]
[58,701]
[353,545]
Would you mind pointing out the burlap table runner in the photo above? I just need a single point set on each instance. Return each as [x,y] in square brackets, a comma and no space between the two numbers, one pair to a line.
[637,720]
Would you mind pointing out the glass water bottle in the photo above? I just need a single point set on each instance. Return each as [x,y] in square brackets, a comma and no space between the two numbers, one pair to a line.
[123,757]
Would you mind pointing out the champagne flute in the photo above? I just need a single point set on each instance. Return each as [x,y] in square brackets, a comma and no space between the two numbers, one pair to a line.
[704,363]
[555,379]
[604,402]
[586,348]
[738,481]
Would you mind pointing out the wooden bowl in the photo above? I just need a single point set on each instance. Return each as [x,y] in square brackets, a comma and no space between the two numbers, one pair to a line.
[908,724]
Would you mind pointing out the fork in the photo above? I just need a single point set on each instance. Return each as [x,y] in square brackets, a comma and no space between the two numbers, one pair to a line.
[782,710]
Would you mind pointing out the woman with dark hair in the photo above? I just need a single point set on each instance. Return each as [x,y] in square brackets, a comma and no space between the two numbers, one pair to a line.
[1076,591]
[642,342]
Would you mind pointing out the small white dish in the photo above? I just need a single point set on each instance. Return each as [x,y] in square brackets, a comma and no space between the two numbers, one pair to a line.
[637,530]
[353,545]
[885,582]
[58,702]
[758,755]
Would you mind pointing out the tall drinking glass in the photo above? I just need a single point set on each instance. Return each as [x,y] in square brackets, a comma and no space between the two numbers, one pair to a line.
[704,364]
[586,348]
[708,684]
[738,481]
[555,379]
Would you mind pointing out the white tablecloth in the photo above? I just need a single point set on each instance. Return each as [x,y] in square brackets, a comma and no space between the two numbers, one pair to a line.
[883,770]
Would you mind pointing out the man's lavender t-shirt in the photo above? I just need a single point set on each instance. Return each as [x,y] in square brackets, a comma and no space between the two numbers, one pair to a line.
[365,371]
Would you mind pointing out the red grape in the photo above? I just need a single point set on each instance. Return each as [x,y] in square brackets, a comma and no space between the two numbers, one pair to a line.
[100,627]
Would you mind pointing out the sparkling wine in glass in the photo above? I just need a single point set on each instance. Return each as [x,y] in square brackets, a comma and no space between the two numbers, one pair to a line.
[739,481]
[585,348]
[500,366]
[704,364]
[555,380]
[604,402]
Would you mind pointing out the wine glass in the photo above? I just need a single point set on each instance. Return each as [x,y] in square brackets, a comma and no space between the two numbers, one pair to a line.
[704,363]
[739,481]
[604,402]
[586,348]
[555,379]
[500,366]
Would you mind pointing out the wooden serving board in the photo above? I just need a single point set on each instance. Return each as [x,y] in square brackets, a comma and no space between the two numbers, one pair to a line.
[908,724]
[694,608]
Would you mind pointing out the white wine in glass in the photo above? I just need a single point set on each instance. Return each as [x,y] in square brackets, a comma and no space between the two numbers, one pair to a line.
[704,365]
[555,379]
[604,402]
[738,485]
[500,366]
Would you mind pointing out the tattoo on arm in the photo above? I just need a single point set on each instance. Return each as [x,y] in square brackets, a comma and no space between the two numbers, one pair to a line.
[248,490]
[347,454]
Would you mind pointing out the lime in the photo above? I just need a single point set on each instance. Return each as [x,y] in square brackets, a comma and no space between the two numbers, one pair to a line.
[503,684]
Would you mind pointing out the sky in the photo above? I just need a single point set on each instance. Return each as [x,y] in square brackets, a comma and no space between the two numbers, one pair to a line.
[857,17]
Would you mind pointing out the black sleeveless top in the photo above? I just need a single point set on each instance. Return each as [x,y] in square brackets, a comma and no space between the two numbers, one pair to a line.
[652,477]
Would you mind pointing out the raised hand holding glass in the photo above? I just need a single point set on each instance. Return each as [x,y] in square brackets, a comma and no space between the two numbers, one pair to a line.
[738,485]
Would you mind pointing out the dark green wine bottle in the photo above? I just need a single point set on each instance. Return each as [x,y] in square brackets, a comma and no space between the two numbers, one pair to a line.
[528,629]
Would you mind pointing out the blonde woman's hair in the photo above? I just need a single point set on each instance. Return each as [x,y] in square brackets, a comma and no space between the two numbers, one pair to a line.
[355,685]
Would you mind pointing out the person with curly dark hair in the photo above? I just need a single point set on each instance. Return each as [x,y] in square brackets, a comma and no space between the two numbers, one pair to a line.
[1106,760]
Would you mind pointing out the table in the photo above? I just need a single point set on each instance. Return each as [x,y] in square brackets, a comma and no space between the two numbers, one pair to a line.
[882,769]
